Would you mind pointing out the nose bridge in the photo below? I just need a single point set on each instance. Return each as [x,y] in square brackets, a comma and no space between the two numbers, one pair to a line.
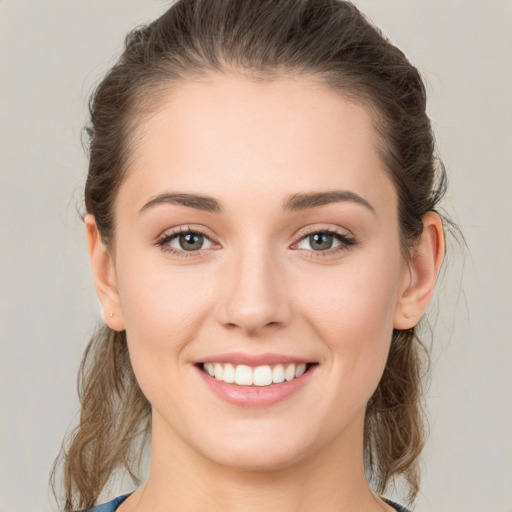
[255,293]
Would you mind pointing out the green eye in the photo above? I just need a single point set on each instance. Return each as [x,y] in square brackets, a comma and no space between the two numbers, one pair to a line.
[325,242]
[190,241]
[321,241]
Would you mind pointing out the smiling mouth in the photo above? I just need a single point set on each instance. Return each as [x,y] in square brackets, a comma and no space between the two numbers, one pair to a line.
[265,375]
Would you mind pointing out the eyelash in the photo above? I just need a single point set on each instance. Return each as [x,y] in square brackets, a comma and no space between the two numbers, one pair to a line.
[168,237]
[346,241]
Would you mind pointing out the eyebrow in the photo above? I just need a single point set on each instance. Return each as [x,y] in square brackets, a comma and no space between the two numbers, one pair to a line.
[300,202]
[204,203]
[296,202]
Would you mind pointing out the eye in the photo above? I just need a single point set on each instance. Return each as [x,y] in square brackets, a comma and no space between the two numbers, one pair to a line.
[184,241]
[325,241]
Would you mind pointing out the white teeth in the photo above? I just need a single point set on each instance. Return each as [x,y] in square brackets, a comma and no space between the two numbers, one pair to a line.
[229,373]
[244,375]
[210,369]
[218,371]
[289,373]
[262,376]
[301,368]
[278,374]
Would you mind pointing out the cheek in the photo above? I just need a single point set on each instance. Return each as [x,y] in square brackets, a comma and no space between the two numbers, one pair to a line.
[352,299]
[162,311]
[353,313]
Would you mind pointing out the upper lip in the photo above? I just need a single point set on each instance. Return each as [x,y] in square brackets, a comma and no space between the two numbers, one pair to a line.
[254,359]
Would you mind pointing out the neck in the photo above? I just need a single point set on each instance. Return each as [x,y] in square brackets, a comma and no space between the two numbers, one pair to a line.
[331,479]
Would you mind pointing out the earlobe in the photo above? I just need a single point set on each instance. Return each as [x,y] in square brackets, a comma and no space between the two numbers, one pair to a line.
[104,275]
[424,264]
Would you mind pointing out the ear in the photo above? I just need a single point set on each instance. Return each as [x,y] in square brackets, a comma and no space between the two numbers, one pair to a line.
[104,275]
[424,263]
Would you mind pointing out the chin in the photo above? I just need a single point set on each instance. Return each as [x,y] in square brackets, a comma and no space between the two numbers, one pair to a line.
[261,447]
[256,458]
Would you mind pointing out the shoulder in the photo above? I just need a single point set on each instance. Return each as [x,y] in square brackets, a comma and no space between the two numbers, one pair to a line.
[111,506]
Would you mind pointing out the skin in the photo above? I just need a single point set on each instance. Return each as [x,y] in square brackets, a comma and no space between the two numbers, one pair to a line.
[258,286]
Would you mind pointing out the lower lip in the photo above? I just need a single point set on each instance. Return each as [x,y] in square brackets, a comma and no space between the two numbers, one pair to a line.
[256,396]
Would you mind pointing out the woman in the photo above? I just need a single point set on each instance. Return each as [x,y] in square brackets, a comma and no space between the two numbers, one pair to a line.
[262,230]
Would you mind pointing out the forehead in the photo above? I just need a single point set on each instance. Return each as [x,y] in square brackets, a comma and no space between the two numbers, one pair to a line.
[226,135]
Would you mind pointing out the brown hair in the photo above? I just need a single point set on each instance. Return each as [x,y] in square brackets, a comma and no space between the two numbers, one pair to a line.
[332,42]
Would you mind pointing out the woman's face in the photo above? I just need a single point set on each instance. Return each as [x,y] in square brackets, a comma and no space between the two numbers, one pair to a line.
[257,231]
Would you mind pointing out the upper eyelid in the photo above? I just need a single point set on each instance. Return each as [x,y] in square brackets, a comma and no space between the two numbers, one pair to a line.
[330,229]
[187,228]
[299,235]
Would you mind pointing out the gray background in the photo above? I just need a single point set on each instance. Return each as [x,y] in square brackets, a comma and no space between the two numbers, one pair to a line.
[51,55]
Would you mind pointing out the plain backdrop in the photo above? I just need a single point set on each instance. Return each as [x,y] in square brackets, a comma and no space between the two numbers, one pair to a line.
[52,53]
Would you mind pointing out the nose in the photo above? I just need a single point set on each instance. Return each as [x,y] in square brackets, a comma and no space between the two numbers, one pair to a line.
[254,296]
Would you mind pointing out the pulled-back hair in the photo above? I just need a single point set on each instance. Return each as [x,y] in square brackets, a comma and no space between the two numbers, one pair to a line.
[331,42]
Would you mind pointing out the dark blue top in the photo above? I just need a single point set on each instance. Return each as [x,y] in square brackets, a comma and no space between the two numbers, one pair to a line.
[111,506]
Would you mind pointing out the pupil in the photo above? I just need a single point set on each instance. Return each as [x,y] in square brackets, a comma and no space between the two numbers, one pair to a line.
[191,241]
[321,241]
